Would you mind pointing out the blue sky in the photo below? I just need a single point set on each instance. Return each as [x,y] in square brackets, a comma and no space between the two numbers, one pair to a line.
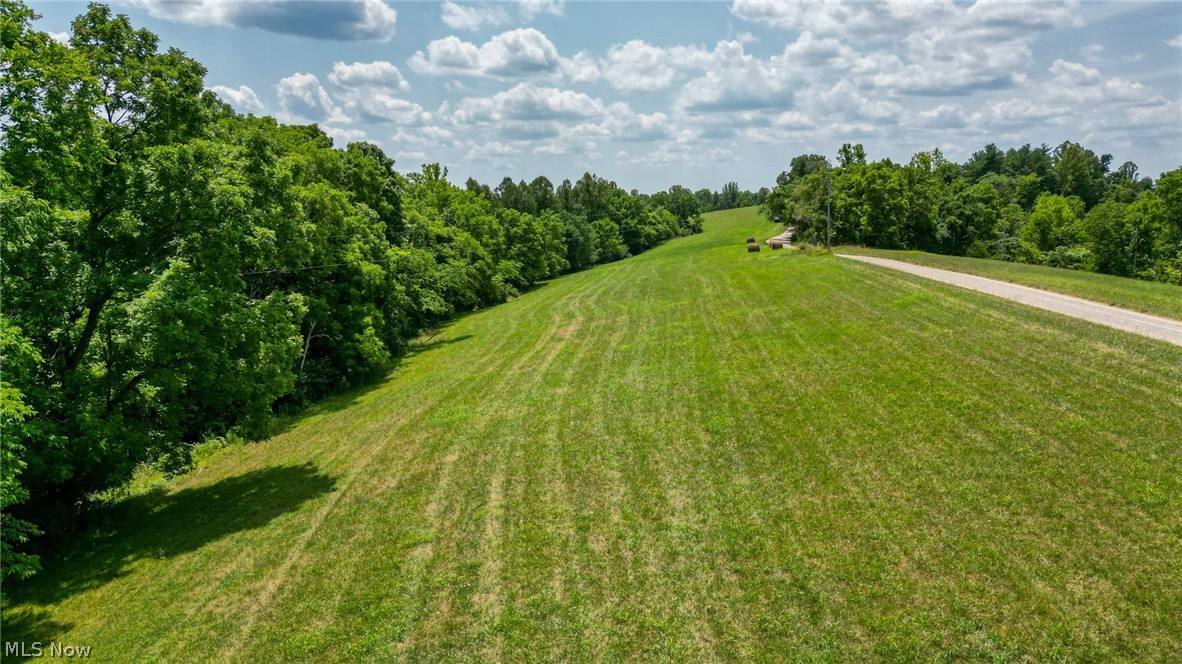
[652,94]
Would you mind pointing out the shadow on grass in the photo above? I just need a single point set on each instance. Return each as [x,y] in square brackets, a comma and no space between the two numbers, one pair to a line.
[157,525]
[28,624]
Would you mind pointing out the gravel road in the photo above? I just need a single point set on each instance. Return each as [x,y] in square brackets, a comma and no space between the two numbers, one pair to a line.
[1121,319]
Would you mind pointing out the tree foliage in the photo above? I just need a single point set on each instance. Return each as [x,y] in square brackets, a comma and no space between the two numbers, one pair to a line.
[173,271]
[1058,207]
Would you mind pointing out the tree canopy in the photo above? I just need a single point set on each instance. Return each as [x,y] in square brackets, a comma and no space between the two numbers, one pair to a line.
[1061,207]
[173,271]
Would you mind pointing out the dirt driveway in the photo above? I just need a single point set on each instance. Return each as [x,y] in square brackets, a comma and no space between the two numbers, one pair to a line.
[1121,319]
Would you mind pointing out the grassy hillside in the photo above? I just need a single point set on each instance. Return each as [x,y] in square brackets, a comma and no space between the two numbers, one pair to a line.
[1146,296]
[694,454]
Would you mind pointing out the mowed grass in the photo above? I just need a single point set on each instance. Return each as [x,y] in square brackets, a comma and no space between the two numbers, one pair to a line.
[697,454]
[1145,296]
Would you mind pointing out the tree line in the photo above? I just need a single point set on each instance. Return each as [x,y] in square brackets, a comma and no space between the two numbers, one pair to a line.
[174,271]
[540,194]
[1063,207]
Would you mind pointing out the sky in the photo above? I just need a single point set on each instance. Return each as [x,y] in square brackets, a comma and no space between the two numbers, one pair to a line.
[653,94]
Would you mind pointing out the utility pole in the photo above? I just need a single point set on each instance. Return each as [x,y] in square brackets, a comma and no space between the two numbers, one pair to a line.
[827,211]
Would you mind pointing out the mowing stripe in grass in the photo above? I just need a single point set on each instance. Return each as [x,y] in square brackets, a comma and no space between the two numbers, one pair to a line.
[693,454]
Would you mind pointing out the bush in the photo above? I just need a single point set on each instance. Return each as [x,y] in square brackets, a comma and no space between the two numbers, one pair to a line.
[1075,257]
[979,249]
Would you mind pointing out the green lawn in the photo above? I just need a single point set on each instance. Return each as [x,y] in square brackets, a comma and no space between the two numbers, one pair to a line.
[694,454]
[1146,296]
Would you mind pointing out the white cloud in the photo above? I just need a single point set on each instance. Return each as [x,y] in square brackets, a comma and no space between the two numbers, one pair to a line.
[427,137]
[381,107]
[581,68]
[495,152]
[794,120]
[62,38]
[525,102]
[472,17]
[863,19]
[734,80]
[531,9]
[579,139]
[1009,15]
[302,97]
[1092,52]
[949,49]
[1019,112]
[377,75]
[624,124]
[369,93]
[521,52]
[346,20]
[844,101]
[944,116]
[638,67]
[342,136]
[242,98]
[1176,42]
[718,155]
[1074,83]
[890,19]
[1163,115]
[1072,74]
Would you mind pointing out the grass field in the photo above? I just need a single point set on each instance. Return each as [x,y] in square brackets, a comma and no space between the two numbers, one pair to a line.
[1145,296]
[694,454]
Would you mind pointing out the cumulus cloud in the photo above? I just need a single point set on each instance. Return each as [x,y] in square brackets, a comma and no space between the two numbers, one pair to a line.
[941,62]
[303,98]
[1022,15]
[944,116]
[733,80]
[376,75]
[624,124]
[1074,83]
[521,52]
[525,102]
[794,120]
[60,37]
[531,9]
[382,107]
[1176,42]
[581,68]
[426,137]
[948,49]
[472,17]
[346,20]
[862,19]
[1018,112]
[369,91]
[1072,74]
[557,121]
[723,79]
[494,151]
[638,66]
[844,101]
[242,98]
[892,17]
[342,136]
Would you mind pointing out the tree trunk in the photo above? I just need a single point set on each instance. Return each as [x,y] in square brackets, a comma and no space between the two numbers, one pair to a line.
[92,320]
